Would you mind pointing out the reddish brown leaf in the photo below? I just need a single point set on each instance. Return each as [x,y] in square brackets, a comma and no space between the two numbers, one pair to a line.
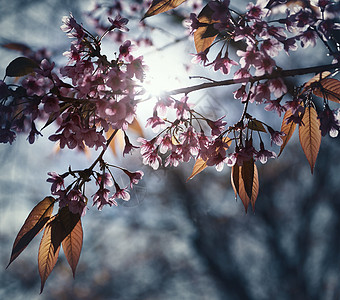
[256,187]
[316,78]
[72,245]
[160,6]
[235,179]
[324,87]
[48,251]
[21,66]
[34,223]
[247,172]
[55,233]
[17,47]
[205,35]
[288,129]
[239,183]
[199,166]
[119,138]
[68,221]
[329,89]
[310,135]
[135,127]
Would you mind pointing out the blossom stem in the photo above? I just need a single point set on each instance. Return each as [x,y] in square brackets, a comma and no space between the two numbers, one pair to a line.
[244,113]
[100,157]
[274,74]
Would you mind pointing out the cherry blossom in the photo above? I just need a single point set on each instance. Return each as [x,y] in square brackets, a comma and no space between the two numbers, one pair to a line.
[101,198]
[93,97]
[223,63]
[276,136]
[57,182]
[277,87]
[152,159]
[120,193]
[264,154]
[76,202]
[134,177]
[329,122]
[36,85]
[155,122]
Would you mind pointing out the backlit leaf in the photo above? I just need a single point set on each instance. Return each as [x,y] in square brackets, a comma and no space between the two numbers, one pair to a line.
[17,47]
[255,189]
[310,135]
[199,166]
[235,179]
[48,251]
[54,115]
[205,35]
[316,78]
[242,177]
[68,222]
[56,231]
[135,127]
[287,129]
[256,125]
[112,144]
[34,223]
[72,245]
[21,66]
[329,89]
[324,87]
[247,172]
[160,6]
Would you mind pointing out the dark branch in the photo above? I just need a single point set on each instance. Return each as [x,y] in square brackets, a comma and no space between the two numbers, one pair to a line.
[275,74]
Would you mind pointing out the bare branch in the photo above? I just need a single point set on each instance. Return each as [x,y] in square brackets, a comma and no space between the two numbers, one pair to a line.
[275,74]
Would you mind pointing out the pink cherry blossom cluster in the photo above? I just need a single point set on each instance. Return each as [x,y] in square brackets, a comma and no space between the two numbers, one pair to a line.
[264,41]
[93,96]
[73,195]
[114,9]
[193,135]
[180,140]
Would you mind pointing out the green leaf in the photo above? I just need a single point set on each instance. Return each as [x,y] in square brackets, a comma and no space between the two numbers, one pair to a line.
[34,223]
[256,125]
[21,66]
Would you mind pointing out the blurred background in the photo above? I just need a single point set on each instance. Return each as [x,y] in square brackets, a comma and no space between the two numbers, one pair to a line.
[174,240]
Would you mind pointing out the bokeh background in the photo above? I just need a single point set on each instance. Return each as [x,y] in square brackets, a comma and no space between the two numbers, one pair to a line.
[174,240]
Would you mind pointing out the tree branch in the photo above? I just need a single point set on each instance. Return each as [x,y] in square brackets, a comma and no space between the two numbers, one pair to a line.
[109,140]
[274,74]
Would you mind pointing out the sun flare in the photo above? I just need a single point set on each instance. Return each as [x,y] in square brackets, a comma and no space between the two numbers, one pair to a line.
[163,74]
